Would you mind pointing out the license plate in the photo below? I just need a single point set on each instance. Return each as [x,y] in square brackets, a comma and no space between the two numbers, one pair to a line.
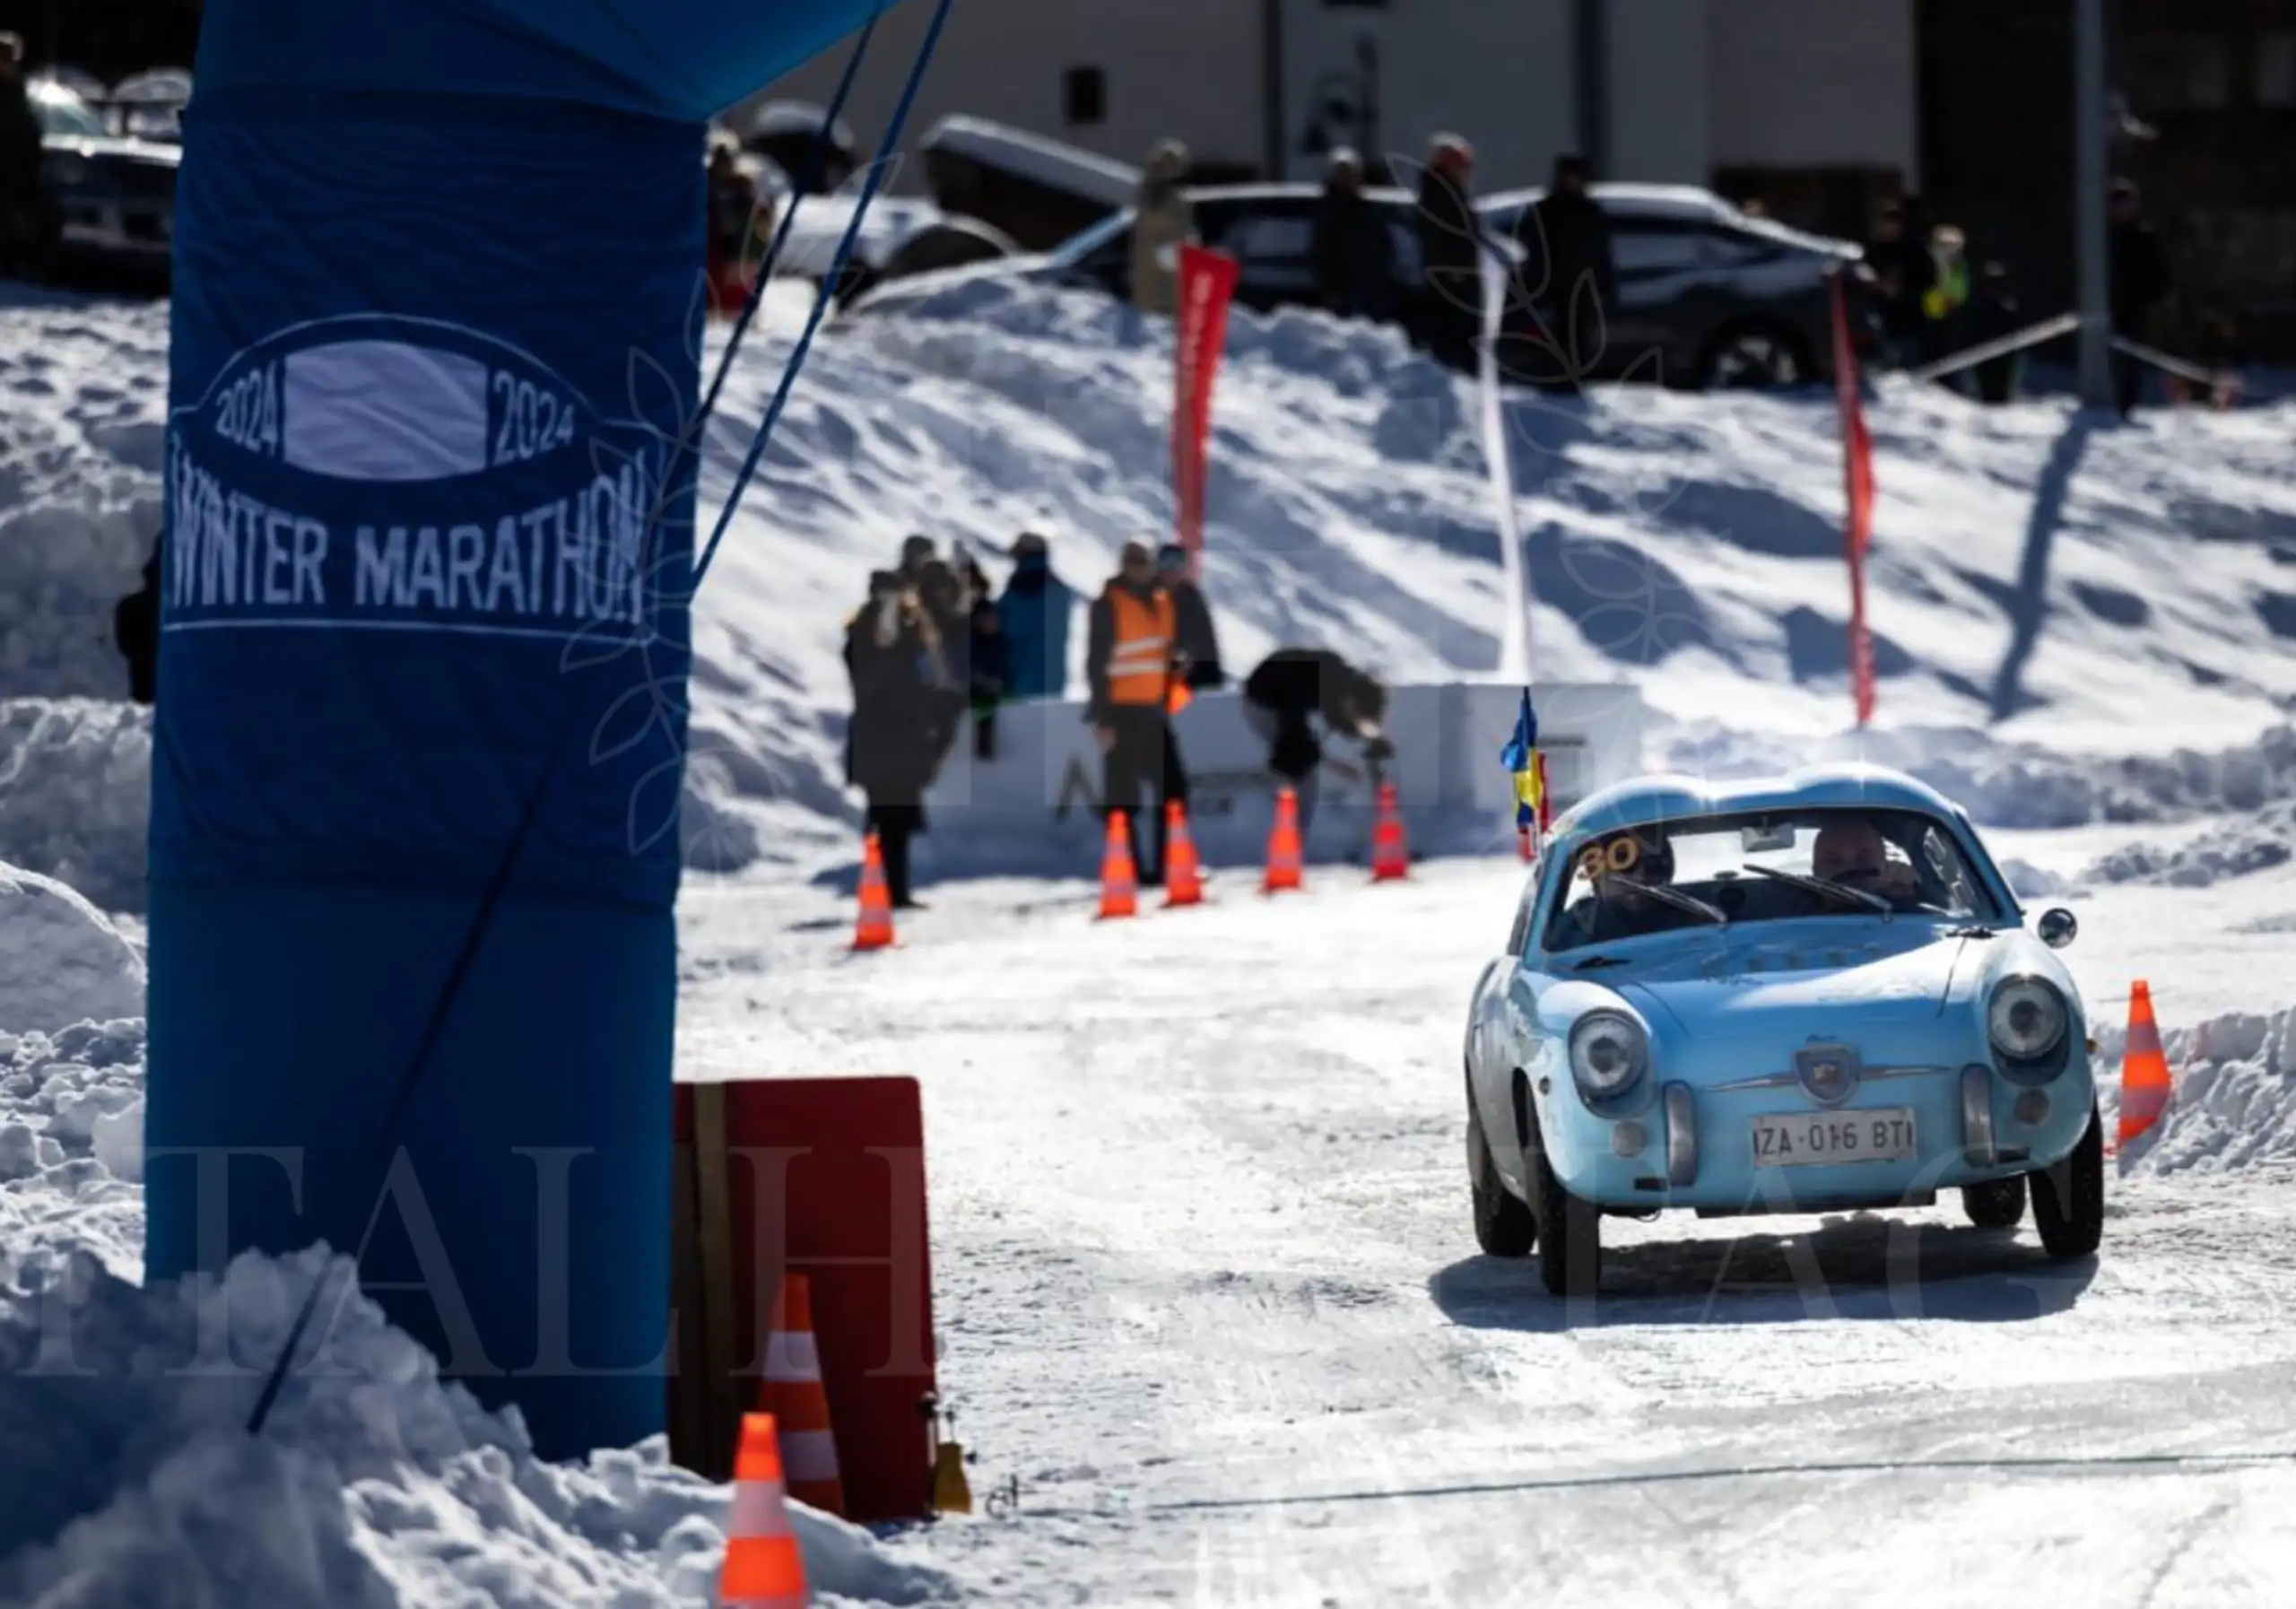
[1799,1139]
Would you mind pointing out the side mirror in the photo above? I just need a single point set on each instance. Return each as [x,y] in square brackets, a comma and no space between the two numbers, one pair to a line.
[2057,928]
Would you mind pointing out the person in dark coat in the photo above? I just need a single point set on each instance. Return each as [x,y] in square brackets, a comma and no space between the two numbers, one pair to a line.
[1293,689]
[2141,281]
[135,628]
[1197,637]
[991,672]
[1450,253]
[24,203]
[1354,254]
[940,592]
[1569,270]
[1994,313]
[893,653]
[1903,270]
[1034,614]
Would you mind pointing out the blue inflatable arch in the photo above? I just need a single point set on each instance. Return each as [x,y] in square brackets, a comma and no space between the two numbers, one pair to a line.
[424,592]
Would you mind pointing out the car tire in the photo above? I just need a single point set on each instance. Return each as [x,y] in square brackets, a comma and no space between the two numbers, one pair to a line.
[1570,1230]
[2069,1199]
[1757,356]
[1998,1204]
[1503,1225]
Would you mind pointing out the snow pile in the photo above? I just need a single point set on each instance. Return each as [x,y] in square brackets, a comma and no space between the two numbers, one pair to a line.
[2234,1105]
[2040,610]
[60,962]
[72,1145]
[75,790]
[2234,848]
[82,424]
[130,1477]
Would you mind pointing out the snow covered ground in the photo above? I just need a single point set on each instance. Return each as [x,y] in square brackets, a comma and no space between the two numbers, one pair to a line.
[1207,1283]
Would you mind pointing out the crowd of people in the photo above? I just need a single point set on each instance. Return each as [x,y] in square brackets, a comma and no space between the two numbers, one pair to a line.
[1930,305]
[936,647]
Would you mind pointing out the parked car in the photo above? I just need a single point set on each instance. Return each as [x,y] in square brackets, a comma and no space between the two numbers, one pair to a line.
[114,196]
[1268,228]
[1811,994]
[1721,299]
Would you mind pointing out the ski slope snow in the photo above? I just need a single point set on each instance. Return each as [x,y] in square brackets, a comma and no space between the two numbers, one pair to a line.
[1207,1287]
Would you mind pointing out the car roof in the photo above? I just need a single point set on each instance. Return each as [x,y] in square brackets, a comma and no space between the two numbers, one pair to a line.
[1266,191]
[1646,800]
[1682,204]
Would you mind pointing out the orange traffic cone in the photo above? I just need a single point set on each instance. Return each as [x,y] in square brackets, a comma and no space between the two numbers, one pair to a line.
[1119,878]
[1183,871]
[874,929]
[1284,851]
[764,1569]
[2144,1067]
[1390,850]
[793,1393]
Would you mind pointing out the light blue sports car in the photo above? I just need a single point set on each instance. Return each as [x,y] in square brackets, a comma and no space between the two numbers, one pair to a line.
[1797,996]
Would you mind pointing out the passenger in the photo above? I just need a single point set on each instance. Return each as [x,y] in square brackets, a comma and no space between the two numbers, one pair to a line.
[1851,852]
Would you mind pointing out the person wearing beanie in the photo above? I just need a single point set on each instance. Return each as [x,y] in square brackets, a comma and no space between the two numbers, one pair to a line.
[1034,614]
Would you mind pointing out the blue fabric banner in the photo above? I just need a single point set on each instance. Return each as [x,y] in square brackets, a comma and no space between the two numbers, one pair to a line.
[427,558]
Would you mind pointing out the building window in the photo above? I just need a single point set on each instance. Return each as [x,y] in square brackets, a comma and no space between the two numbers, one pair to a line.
[1085,96]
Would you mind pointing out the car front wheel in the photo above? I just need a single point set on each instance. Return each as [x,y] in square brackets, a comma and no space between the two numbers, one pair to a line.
[1570,1231]
[1997,1205]
[2069,1199]
[1503,1225]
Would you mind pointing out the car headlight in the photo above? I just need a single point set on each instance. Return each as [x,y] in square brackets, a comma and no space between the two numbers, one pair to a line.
[2026,1019]
[1609,1052]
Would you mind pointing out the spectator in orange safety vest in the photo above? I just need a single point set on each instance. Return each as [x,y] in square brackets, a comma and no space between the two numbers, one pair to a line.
[1134,668]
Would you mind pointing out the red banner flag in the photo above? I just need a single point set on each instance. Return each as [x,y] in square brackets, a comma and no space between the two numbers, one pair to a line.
[1857,476]
[1207,286]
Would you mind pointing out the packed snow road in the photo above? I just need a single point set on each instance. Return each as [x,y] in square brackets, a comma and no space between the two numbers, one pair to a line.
[1207,1288]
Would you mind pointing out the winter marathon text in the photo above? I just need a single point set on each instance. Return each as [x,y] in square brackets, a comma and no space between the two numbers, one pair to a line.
[569,562]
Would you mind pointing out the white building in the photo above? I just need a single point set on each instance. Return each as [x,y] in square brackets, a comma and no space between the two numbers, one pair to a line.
[1690,88]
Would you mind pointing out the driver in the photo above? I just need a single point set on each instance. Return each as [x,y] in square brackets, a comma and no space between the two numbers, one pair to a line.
[1851,852]
[1617,867]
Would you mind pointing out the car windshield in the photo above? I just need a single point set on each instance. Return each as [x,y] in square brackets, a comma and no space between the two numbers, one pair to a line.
[1764,866]
[64,115]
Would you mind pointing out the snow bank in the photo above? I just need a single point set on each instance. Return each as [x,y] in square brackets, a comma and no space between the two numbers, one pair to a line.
[60,962]
[2234,1104]
[75,791]
[128,1478]
[2052,595]
[2235,848]
[131,1480]
[83,410]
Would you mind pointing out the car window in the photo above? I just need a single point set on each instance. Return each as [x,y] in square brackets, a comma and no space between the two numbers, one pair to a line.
[1742,867]
[1737,248]
[1652,249]
[64,115]
[1269,238]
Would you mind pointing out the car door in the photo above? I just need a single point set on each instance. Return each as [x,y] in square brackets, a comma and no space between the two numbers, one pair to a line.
[1274,245]
[1662,261]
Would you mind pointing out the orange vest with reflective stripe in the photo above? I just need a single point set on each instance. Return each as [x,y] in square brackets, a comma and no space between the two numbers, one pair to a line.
[1139,663]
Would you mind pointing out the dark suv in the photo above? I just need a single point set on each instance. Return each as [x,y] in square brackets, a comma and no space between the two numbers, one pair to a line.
[1707,295]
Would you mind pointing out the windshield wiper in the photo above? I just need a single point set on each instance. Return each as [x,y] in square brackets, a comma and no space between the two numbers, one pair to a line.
[1669,896]
[1830,887]
[1595,962]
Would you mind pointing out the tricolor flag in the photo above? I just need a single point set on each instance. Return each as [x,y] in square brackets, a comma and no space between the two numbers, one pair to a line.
[1527,767]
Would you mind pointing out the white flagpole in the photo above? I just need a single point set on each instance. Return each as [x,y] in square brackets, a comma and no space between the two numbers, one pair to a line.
[1514,624]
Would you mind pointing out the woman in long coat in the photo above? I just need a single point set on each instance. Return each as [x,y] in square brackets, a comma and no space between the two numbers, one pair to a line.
[902,699]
